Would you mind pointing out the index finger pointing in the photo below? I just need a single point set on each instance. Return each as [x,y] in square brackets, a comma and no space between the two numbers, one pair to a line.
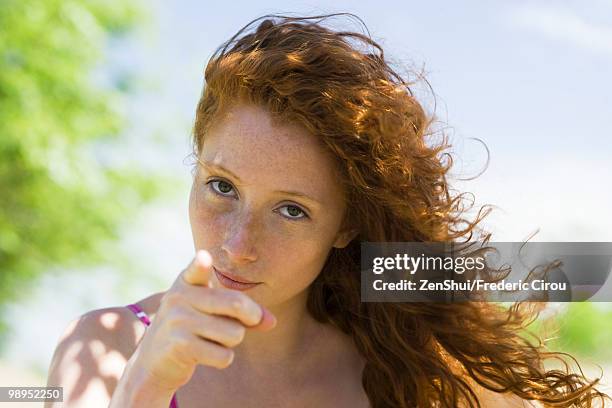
[199,271]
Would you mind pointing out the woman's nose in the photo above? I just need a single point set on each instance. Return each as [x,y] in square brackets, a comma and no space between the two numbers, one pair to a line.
[240,240]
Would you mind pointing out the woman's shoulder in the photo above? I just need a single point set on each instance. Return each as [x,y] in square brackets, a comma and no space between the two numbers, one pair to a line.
[94,348]
[117,327]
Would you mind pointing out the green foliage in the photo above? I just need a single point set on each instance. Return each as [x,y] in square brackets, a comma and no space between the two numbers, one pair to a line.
[586,329]
[582,329]
[59,203]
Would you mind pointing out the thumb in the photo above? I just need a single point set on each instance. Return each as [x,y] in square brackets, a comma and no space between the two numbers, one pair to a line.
[199,270]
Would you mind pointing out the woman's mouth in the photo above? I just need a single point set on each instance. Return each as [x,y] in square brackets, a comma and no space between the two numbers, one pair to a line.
[233,282]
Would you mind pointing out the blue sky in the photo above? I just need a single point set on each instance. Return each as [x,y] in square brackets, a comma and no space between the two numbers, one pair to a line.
[522,75]
[530,79]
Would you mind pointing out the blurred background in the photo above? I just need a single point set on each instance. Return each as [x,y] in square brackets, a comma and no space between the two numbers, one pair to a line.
[97,100]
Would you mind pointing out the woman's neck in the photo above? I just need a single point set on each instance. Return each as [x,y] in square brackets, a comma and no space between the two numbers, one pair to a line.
[291,339]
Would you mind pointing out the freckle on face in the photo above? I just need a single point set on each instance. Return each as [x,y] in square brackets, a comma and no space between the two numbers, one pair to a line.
[248,234]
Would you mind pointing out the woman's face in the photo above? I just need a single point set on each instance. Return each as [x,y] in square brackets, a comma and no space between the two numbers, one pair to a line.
[266,204]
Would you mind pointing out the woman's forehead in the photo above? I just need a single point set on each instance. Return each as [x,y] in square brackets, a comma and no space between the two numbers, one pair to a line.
[248,143]
[251,131]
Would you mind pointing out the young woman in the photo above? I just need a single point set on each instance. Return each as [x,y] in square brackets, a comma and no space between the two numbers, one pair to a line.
[306,144]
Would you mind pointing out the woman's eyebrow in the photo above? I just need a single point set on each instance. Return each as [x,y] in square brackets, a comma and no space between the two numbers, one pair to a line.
[291,193]
[299,195]
[219,167]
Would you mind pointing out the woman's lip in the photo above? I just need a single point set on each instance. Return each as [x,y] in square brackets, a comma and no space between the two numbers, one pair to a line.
[234,278]
[232,282]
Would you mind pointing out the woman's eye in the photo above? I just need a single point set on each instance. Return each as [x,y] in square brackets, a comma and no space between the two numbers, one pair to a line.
[224,189]
[221,187]
[293,212]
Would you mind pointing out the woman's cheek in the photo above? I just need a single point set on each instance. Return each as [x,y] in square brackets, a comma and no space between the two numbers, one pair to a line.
[210,218]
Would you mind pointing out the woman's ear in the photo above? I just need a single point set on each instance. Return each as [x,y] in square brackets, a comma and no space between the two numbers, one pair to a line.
[344,237]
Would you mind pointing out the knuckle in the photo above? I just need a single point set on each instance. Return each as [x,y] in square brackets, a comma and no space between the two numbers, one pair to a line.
[238,303]
[208,299]
[236,334]
[174,318]
[184,350]
[243,306]
[224,358]
[180,344]
[215,355]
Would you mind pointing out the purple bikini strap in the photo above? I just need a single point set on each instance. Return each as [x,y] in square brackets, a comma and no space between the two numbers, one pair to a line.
[140,314]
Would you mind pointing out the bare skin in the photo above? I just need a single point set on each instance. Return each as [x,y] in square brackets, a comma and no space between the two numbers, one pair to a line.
[91,357]
[266,206]
[253,227]
[100,369]
[327,372]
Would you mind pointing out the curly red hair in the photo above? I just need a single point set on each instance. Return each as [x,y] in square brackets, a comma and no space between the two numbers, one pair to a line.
[365,113]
